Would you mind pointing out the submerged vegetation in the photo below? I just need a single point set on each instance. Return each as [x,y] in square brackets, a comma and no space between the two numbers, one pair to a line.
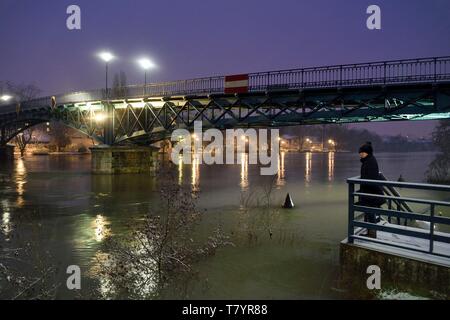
[160,252]
[27,272]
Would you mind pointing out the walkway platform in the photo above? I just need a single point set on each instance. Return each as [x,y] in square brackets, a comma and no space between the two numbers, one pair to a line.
[386,242]
[413,255]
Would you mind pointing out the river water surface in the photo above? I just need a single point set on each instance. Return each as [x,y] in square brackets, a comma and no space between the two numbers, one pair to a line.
[72,212]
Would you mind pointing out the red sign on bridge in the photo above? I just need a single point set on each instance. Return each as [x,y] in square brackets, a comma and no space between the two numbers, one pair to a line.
[236,83]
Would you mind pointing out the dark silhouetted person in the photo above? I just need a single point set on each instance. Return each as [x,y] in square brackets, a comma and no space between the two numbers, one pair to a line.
[370,171]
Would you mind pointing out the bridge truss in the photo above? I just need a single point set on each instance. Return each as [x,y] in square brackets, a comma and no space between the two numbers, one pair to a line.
[416,89]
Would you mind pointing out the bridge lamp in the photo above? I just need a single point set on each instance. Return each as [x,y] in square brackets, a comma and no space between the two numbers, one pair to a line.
[146,64]
[99,117]
[106,57]
[5,98]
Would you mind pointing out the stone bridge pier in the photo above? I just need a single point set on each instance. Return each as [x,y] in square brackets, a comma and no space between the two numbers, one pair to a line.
[123,159]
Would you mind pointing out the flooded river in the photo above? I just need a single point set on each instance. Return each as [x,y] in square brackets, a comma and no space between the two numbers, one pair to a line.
[70,212]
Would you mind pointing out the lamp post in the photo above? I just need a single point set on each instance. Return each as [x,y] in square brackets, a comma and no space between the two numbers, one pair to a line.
[106,57]
[107,118]
[145,64]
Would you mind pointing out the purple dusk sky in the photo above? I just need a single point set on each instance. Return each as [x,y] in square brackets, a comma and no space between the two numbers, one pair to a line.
[190,38]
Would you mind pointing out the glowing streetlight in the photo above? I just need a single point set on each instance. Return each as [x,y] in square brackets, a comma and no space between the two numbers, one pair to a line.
[99,117]
[146,64]
[106,57]
[5,98]
[331,142]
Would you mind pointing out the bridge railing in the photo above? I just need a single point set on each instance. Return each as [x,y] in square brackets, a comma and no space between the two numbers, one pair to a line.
[387,72]
[391,209]
[375,73]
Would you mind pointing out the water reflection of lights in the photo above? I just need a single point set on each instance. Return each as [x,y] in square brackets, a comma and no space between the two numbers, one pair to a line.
[6,223]
[308,166]
[281,172]
[101,230]
[21,175]
[330,166]
[244,170]
[180,169]
[195,170]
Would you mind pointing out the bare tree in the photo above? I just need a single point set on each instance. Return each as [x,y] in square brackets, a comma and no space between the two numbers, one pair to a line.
[60,135]
[439,169]
[23,139]
[120,85]
[161,252]
[26,271]
[22,92]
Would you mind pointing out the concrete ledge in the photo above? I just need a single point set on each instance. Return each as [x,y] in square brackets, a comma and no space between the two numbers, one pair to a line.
[122,160]
[403,272]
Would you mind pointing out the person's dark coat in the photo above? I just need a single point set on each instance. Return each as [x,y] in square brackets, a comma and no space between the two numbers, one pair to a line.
[370,171]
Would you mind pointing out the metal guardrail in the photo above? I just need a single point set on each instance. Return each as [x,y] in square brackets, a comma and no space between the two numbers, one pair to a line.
[361,74]
[399,212]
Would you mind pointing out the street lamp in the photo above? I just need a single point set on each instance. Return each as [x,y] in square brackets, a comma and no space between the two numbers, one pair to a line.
[146,64]
[106,57]
[100,117]
[5,97]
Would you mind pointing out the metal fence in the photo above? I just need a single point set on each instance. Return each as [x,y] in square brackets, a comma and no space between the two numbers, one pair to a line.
[375,73]
[398,207]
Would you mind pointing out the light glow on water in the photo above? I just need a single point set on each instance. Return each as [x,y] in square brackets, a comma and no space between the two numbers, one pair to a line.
[281,171]
[308,166]
[101,229]
[244,170]
[21,180]
[195,174]
[330,166]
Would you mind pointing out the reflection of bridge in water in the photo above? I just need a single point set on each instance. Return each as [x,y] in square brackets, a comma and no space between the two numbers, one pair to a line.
[416,89]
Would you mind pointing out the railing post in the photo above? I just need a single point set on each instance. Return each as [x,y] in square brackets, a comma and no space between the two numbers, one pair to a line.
[384,77]
[431,228]
[340,76]
[435,69]
[351,212]
[302,80]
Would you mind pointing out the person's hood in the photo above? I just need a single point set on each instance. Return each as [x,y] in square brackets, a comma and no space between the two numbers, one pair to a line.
[367,148]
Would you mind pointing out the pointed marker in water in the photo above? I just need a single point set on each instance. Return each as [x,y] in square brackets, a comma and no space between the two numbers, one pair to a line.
[288,203]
